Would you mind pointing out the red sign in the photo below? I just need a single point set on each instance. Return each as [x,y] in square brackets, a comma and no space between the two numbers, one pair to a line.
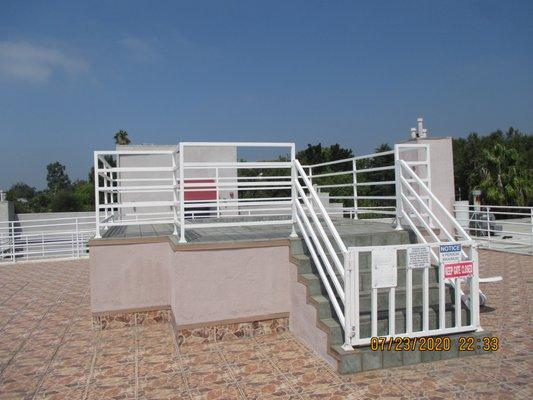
[458,269]
[199,192]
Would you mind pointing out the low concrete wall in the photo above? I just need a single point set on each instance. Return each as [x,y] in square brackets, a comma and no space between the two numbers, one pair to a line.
[220,285]
[202,286]
[130,277]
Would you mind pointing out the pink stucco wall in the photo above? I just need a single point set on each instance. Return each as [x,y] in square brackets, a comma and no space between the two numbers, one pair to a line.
[200,286]
[130,277]
[217,285]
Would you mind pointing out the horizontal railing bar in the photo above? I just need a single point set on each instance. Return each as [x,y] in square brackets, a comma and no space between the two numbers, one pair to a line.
[240,223]
[237,144]
[134,153]
[236,165]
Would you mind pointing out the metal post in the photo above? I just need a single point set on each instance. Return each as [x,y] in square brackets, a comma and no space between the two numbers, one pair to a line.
[174,194]
[27,248]
[351,293]
[96,197]
[487,210]
[217,192]
[13,241]
[531,221]
[475,287]
[398,185]
[77,240]
[182,195]
[294,194]
[354,163]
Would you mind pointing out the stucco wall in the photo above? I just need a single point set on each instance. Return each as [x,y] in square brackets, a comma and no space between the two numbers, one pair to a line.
[217,285]
[130,277]
[200,286]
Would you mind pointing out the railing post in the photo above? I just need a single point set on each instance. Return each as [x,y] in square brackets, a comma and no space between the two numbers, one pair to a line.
[12,241]
[354,163]
[96,197]
[531,222]
[174,194]
[182,195]
[351,294]
[294,194]
[487,209]
[217,191]
[475,287]
[398,187]
[77,240]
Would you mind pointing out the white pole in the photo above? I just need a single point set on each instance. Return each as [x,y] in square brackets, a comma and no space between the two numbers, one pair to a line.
[174,194]
[354,163]
[294,194]
[182,196]
[398,184]
[13,241]
[217,192]
[96,197]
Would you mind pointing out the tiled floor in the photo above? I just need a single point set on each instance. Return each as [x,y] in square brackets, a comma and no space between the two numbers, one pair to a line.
[48,350]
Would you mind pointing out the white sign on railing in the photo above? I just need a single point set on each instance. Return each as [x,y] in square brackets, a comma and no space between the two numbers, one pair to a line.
[384,270]
[418,257]
[450,253]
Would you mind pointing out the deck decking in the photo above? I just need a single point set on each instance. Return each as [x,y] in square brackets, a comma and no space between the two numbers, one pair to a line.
[242,233]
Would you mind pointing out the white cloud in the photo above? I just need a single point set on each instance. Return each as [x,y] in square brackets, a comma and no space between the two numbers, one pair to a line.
[140,49]
[35,63]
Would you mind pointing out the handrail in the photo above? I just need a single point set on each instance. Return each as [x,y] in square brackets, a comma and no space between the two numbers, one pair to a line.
[435,199]
[321,207]
[319,245]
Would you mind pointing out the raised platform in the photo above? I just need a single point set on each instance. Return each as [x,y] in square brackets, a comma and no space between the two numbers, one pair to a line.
[230,234]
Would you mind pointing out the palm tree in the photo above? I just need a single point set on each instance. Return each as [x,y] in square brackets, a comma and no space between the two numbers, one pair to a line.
[501,179]
[121,137]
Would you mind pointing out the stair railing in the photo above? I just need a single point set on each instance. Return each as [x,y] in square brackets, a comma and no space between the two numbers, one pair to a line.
[308,215]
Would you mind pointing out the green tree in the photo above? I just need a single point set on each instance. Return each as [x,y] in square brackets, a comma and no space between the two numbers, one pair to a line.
[500,179]
[56,177]
[84,193]
[64,201]
[121,137]
[21,195]
[500,164]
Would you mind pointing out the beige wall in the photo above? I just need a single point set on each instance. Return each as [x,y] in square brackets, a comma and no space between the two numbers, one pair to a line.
[200,286]
[129,277]
[217,285]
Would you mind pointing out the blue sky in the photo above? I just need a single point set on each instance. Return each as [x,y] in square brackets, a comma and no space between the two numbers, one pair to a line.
[357,73]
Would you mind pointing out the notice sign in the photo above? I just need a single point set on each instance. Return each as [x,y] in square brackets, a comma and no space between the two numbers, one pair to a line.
[458,269]
[418,257]
[384,270]
[450,253]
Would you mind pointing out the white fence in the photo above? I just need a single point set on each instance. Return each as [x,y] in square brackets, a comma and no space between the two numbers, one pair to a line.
[498,227]
[45,238]
[192,194]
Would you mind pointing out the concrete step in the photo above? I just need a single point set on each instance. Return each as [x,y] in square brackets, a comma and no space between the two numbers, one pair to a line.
[298,245]
[326,310]
[364,359]
[336,333]
[315,285]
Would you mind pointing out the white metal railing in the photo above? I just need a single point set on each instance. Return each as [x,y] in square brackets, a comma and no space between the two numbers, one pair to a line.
[322,249]
[64,237]
[356,174]
[421,210]
[506,227]
[145,186]
[383,299]
[234,193]
[223,192]
[135,187]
